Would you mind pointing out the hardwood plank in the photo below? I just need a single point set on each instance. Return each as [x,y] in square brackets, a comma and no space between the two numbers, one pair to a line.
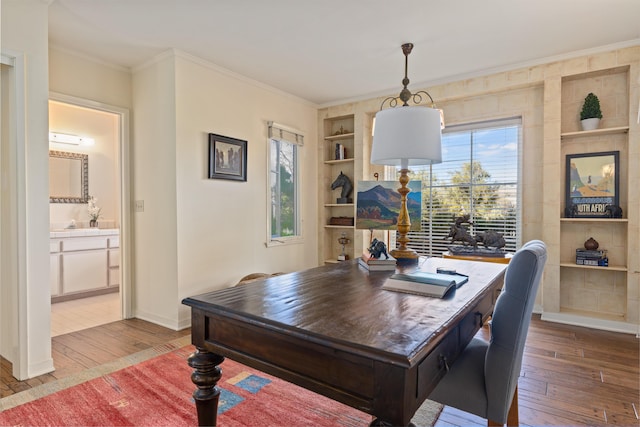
[570,375]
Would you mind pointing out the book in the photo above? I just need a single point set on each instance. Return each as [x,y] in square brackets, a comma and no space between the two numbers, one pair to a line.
[593,254]
[425,283]
[372,266]
[600,262]
[366,257]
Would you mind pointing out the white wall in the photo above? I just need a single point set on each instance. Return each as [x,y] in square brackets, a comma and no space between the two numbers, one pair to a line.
[154,181]
[24,34]
[222,225]
[197,234]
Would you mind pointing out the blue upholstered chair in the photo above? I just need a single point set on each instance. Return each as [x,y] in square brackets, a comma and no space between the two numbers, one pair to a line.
[484,379]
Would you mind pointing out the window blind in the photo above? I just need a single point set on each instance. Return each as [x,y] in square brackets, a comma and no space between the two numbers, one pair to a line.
[480,177]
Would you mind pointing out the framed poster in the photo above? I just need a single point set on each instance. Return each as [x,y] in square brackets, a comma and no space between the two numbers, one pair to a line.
[592,182]
[227,158]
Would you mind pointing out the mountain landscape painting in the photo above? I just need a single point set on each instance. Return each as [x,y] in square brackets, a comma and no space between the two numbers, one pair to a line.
[378,204]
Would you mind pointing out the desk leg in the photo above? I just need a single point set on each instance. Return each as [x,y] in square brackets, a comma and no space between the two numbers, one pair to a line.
[205,376]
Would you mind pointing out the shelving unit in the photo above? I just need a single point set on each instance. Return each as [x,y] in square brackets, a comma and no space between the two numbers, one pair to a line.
[591,295]
[337,130]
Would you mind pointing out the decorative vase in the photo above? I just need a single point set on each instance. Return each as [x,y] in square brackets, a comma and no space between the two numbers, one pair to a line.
[590,124]
[93,223]
[591,244]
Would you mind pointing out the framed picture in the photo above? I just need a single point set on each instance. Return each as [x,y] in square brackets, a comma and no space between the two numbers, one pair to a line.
[592,182]
[378,204]
[227,158]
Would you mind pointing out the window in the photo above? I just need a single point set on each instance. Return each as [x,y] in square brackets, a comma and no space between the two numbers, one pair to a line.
[479,176]
[284,185]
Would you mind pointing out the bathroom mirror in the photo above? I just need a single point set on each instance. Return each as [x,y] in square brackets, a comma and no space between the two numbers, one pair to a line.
[68,177]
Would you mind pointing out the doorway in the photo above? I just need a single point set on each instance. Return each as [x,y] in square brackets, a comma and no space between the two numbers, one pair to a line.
[91,286]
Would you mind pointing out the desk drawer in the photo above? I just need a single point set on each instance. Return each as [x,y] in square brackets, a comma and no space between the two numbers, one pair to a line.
[473,321]
[289,357]
[433,367]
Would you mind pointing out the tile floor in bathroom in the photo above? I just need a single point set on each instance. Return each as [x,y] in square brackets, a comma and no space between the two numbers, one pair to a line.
[75,315]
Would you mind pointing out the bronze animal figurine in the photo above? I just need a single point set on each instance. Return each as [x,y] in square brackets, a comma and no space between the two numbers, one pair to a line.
[347,187]
[613,211]
[460,234]
[378,248]
[491,239]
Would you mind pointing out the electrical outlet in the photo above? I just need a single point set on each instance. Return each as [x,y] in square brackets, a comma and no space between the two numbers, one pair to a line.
[139,206]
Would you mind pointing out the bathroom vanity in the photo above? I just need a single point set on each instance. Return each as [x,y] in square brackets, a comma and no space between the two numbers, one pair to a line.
[84,262]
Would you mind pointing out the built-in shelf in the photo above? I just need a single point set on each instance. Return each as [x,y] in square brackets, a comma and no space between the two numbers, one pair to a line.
[593,267]
[336,162]
[339,137]
[339,226]
[595,132]
[335,205]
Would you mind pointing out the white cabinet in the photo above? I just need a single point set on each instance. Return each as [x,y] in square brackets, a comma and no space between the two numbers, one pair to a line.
[84,263]
[54,267]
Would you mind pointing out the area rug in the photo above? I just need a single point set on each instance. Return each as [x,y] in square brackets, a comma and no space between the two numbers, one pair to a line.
[153,388]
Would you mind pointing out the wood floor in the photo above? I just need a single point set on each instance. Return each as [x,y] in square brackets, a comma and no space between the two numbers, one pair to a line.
[570,375]
[77,351]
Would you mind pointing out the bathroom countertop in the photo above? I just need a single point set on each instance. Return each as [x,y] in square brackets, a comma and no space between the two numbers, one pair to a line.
[83,232]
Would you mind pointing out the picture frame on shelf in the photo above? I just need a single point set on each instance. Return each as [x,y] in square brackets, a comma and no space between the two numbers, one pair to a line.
[227,158]
[592,184]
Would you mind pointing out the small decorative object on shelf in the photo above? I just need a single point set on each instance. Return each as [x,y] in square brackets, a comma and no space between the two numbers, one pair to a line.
[341,220]
[342,131]
[591,114]
[94,212]
[613,211]
[571,211]
[343,240]
[591,244]
[347,187]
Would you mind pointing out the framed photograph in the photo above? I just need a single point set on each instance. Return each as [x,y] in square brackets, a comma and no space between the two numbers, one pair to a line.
[227,158]
[592,184]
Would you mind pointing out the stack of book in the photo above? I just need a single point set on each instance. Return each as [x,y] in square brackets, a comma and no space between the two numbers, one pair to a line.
[594,258]
[377,264]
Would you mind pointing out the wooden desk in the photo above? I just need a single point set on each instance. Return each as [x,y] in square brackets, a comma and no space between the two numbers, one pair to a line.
[334,331]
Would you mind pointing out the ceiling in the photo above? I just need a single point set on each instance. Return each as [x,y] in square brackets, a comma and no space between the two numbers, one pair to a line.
[333,51]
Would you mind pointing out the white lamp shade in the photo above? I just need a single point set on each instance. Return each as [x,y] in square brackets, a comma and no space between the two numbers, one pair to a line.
[407,136]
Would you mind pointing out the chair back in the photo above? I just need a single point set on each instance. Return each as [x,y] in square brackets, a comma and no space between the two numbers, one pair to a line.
[509,326]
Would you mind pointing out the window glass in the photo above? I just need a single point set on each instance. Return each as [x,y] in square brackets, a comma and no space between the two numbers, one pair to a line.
[479,177]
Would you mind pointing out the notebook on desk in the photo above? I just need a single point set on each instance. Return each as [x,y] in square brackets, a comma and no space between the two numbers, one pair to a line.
[425,283]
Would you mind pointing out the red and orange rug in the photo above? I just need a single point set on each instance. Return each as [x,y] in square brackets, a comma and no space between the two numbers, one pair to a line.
[157,392]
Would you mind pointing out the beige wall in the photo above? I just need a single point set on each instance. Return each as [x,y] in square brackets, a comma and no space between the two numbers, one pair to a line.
[535,93]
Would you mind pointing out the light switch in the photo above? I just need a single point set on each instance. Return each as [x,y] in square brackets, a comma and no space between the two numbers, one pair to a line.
[139,206]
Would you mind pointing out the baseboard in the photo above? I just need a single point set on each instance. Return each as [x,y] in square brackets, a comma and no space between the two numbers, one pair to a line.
[591,322]
[158,320]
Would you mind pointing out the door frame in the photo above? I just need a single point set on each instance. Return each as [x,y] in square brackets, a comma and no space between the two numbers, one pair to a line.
[126,231]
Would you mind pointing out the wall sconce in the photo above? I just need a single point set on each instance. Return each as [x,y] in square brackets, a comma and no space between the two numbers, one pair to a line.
[407,136]
[63,138]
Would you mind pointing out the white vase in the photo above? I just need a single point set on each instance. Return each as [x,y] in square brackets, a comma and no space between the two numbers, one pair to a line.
[590,124]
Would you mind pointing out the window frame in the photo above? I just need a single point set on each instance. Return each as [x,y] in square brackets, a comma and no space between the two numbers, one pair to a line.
[295,138]
[427,215]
